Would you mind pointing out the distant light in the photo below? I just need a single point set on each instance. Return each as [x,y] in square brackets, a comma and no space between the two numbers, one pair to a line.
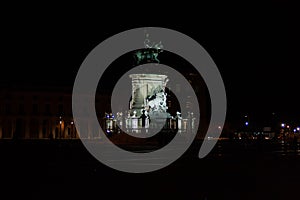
[295,130]
[60,122]
[298,128]
[72,122]
[246,116]
[219,127]
[246,123]
[59,117]
[282,125]
[288,126]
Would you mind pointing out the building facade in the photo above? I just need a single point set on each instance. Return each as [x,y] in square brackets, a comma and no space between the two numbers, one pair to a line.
[39,113]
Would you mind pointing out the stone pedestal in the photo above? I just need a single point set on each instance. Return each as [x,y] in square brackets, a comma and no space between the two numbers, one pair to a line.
[145,86]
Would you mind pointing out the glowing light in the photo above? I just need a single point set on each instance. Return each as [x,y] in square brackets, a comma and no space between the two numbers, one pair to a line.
[295,130]
[288,126]
[298,128]
[219,127]
[282,125]
[60,122]
[246,123]
[72,122]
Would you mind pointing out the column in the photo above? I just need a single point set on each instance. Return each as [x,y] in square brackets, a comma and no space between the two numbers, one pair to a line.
[53,125]
[0,129]
[76,131]
[135,123]
[13,127]
[65,132]
[179,123]
[40,129]
[89,131]
[27,128]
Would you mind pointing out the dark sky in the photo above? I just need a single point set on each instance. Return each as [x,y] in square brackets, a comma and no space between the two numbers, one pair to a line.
[255,46]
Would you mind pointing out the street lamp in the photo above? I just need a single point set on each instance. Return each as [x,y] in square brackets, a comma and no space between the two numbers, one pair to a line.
[283,131]
[72,130]
[60,122]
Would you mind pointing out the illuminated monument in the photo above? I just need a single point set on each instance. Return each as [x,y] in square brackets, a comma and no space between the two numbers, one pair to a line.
[148,90]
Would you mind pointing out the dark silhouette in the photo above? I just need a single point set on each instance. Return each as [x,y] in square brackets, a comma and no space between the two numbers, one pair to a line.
[143,117]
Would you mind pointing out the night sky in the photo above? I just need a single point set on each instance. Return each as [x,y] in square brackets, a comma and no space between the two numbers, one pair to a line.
[255,47]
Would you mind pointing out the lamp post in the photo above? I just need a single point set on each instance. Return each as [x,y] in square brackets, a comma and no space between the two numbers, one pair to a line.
[246,120]
[288,132]
[72,130]
[60,122]
[283,126]
[246,123]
